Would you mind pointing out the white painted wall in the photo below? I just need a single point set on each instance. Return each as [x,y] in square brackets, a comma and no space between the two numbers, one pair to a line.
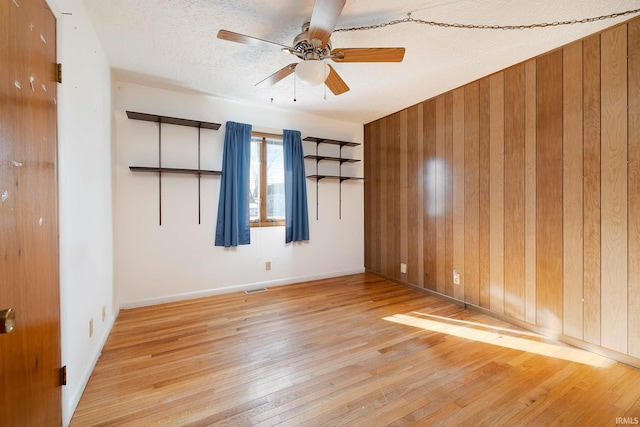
[85,198]
[178,259]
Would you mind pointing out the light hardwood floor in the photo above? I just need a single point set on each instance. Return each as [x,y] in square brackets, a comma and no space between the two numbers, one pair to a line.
[356,350]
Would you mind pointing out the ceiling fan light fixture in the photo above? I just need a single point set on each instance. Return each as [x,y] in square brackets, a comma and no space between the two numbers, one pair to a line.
[312,72]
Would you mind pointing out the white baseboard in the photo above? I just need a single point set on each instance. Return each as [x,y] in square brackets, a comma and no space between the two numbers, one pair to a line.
[236,288]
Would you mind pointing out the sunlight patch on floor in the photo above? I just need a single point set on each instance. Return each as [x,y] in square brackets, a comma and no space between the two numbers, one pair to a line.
[503,337]
[479,325]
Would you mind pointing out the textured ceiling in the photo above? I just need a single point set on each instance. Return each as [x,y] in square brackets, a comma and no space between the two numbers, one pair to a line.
[172,44]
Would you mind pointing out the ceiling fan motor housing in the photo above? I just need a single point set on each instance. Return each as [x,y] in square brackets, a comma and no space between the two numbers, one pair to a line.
[308,49]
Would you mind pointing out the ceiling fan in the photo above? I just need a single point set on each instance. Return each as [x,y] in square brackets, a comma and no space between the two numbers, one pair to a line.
[313,46]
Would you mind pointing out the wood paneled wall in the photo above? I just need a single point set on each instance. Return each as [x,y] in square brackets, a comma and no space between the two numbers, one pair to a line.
[527,183]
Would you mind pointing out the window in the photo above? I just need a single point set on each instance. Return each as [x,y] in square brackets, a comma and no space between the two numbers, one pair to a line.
[266,204]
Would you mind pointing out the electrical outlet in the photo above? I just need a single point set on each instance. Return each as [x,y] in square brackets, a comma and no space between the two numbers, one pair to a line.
[267,265]
[403,268]
[90,328]
[456,277]
[104,313]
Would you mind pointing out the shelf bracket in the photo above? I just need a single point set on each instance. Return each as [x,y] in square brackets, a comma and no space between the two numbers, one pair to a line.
[160,172]
[199,176]
[317,180]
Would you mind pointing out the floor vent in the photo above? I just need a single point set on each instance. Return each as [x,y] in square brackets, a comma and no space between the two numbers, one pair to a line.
[256,291]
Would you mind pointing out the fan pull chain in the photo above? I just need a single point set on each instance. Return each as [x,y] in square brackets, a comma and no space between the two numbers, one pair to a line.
[294,88]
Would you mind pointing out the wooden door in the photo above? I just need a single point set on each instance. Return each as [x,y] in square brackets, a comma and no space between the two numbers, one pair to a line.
[30,392]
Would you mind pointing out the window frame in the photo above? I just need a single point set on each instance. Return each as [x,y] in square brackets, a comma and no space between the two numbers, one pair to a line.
[263,221]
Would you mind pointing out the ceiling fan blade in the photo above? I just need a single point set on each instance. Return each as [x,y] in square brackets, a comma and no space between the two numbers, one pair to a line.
[373,54]
[248,40]
[335,83]
[277,76]
[323,19]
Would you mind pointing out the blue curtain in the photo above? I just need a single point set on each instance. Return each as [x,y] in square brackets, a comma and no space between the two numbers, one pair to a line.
[295,188]
[232,227]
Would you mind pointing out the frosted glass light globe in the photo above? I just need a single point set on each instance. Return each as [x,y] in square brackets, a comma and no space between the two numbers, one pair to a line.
[312,72]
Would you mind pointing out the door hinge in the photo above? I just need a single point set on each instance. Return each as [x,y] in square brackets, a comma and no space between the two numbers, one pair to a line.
[59,73]
[63,375]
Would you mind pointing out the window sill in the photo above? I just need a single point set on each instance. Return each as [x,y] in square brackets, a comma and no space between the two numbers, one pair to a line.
[267,224]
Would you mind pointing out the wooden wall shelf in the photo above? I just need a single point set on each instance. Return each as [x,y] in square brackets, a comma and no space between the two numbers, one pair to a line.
[156,118]
[331,141]
[318,158]
[333,159]
[341,178]
[174,170]
[172,120]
